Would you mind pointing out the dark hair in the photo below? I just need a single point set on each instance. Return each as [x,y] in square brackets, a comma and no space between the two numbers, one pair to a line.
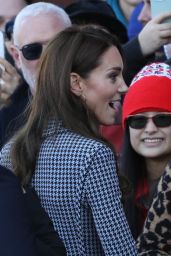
[97,12]
[132,166]
[30,2]
[9,28]
[76,49]
[131,163]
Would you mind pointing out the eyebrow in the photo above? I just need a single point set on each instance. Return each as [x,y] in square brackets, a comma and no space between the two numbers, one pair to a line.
[115,69]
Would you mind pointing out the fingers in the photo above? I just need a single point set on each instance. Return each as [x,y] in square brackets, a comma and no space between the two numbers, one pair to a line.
[161,17]
[154,35]
[3,96]
[2,83]
[9,79]
[1,80]
[8,73]
[163,33]
[7,66]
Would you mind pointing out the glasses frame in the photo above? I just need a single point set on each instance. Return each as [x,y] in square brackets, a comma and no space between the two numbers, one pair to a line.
[154,118]
[32,56]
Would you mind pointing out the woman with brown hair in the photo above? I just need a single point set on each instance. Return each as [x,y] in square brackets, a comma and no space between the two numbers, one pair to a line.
[60,149]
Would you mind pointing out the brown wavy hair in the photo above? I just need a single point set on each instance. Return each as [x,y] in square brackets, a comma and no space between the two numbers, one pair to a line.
[76,49]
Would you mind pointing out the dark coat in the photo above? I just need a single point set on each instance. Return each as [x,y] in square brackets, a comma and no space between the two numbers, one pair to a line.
[25,228]
[134,59]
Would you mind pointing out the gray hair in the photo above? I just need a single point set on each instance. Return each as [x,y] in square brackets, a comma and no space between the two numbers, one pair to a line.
[35,9]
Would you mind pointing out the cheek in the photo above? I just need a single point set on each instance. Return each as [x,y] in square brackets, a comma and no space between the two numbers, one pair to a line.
[98,91]
[92,102]
[168,136]
[31,66]
[134,138]
[92,94]
[97,100]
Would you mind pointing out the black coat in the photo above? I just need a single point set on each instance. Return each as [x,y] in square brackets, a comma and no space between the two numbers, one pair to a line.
[25,228]
[134,59]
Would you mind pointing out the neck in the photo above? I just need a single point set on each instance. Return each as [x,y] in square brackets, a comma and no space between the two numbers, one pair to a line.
[126,9]
[156,167]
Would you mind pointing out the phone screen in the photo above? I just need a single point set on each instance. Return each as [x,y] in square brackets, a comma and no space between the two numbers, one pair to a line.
[160,7]
[2,48]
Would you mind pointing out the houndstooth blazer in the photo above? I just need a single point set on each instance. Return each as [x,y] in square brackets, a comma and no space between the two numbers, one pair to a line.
[76,180]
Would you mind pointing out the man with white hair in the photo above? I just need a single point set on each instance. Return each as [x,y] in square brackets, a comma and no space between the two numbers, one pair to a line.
[35,25]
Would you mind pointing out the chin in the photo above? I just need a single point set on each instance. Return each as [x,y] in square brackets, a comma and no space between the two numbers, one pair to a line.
[109,123]
[152,154]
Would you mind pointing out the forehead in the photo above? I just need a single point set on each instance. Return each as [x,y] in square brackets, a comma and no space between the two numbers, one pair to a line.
[151,113]
[111,58]
[11,7]
[40,28]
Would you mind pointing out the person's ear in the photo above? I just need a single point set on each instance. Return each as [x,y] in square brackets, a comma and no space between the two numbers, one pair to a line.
[15,55]
[76,84]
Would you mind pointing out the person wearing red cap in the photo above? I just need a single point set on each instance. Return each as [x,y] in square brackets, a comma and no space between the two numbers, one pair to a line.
[147,138]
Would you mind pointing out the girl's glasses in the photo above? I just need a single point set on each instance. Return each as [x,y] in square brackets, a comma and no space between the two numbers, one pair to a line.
[140,121]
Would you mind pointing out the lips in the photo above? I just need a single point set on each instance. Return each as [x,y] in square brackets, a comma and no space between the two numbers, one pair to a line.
[152,142]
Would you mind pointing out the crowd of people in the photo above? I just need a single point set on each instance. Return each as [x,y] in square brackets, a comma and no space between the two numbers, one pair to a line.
[85,128]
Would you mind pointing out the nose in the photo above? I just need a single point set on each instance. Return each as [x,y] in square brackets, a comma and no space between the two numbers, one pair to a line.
[150,126]
[145,14]
[123,88]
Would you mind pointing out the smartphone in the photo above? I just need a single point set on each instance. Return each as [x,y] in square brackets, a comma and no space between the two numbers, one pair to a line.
[2,45]
[160,7]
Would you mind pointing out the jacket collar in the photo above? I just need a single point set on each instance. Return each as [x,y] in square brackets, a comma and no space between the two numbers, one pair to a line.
[52,128]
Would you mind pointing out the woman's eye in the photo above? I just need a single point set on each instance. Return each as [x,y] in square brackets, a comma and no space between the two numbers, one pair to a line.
[113,77]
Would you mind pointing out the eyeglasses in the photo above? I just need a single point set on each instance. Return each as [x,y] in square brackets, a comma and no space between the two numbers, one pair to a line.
[140,121]
[32,51]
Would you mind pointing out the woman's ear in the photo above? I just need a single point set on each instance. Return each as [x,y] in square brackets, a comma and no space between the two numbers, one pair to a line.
[76,84]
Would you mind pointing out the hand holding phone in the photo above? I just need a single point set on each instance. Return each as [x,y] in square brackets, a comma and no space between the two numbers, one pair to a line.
[9,80]
[161,7]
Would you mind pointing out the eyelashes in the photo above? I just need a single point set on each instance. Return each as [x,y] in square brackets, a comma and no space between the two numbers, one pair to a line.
[113,76]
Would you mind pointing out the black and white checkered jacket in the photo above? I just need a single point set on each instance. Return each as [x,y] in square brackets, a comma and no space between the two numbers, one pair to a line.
[76,180]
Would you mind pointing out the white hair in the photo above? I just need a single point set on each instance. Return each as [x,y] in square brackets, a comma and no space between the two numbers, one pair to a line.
[39,8]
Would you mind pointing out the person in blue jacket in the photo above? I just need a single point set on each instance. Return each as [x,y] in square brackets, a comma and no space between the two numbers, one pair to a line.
[123,9]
